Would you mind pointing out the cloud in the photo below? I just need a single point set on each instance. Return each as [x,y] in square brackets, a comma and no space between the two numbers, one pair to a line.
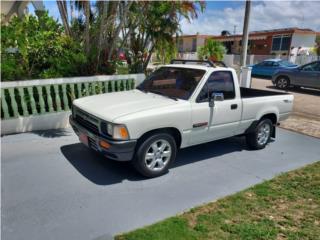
[264,15]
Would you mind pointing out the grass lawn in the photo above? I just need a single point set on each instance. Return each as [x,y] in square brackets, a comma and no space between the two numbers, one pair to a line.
[286,207]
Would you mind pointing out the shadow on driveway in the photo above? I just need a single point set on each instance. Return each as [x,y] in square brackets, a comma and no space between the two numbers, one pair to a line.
[103,171]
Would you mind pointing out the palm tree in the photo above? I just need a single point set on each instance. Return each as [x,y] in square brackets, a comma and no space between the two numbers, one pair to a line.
[212,49]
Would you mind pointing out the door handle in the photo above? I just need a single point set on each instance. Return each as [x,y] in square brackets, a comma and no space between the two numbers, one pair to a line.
[234,106]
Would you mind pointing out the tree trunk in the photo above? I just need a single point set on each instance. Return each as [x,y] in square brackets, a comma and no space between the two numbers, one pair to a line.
[62,6]
[148,58]
[87,27]
[118,29]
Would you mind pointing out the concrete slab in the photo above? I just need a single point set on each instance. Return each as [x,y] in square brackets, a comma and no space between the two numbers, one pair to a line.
[55,188]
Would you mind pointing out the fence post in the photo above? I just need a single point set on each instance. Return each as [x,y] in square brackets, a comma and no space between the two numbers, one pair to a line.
[251,59]
[4,105]
[57,97]
[13,102]
[32,101]
[23,104]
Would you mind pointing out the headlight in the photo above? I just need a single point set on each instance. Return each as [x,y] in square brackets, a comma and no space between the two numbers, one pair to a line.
[116,131]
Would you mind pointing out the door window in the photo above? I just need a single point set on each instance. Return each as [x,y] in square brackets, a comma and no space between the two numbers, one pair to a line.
[266,64]
[311,67]
[220,82]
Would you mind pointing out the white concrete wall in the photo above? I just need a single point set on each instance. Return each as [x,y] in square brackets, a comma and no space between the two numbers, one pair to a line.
[36,122]
[303,40]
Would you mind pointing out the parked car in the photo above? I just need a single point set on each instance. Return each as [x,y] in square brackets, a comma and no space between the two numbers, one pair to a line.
[307,75]
[177,106]
[270,66]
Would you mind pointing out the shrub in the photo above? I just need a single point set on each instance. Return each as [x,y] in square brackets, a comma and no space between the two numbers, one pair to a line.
[212,50]
[36,47]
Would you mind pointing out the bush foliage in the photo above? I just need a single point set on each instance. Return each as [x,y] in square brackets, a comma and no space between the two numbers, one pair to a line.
[36,47]
[212,50]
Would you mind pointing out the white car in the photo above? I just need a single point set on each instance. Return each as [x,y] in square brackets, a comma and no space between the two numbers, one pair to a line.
[177,106]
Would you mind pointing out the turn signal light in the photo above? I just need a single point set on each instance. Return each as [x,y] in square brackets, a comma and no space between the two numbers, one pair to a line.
[124,133]
[104,144]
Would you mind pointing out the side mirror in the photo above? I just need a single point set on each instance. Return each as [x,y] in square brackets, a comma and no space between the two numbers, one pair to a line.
[215,96]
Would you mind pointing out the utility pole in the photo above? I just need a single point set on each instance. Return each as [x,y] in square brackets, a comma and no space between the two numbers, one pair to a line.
[234,39]
[245,35]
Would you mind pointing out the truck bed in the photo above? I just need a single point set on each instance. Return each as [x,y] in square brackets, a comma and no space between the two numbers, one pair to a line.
[252,92]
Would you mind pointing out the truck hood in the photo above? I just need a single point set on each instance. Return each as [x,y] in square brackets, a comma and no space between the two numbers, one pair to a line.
[110,106]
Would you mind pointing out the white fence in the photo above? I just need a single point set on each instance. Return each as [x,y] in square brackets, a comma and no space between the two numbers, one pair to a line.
[45,103]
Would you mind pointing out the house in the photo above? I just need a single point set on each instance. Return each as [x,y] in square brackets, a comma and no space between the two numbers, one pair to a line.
[190,43]
[285,41]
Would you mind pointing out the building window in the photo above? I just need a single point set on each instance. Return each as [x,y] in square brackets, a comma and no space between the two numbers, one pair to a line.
[194,45]
[281,43]
[285,45]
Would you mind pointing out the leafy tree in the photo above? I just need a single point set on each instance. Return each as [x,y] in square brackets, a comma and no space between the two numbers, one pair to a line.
[152,24]
[212,49]
[36,47]
[166,51]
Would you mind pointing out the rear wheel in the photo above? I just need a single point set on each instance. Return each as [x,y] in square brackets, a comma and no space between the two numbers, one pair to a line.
[282,82]
[261,135]
[154,155]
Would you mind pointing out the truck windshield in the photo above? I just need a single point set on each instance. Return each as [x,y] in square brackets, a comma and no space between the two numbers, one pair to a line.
[172,82]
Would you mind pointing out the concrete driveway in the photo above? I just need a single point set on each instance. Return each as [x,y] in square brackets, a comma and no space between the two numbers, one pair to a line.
[305,117]
[55,188]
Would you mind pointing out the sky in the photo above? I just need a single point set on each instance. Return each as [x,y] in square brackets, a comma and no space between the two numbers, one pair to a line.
[224,15]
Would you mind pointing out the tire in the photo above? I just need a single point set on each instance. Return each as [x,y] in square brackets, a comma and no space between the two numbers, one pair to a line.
[282,82]
[261,135]
[154,155]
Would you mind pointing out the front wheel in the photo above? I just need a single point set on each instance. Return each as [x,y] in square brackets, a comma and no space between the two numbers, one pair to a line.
[261,135]
[154,155]
[282,82]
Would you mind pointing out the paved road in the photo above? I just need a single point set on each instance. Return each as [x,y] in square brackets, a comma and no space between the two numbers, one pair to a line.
[55,188]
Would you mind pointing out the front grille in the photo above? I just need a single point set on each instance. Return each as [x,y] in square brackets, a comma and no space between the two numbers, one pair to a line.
[93,144]
[87,121]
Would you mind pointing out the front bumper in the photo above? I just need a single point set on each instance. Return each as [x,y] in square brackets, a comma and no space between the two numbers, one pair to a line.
[118,150]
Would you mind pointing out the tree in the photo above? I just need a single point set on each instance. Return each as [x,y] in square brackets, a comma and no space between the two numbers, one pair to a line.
[135,26]
[212,50]
[152,24]
[36,47]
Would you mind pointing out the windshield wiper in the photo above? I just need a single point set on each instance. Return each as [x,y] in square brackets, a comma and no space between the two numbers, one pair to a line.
[162,94]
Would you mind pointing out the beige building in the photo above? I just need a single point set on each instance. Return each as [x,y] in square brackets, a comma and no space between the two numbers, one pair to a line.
[190,43]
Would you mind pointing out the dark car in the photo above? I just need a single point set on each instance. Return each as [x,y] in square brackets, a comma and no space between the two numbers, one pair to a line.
[270,66]
[307,75]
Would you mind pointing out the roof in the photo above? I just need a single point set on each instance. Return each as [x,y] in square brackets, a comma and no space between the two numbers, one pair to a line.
[269,32]
[195,35]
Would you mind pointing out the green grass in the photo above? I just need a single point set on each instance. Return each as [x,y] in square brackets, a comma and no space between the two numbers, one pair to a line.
[286,207]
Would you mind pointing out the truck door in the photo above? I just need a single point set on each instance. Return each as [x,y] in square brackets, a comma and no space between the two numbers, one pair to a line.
[222,120]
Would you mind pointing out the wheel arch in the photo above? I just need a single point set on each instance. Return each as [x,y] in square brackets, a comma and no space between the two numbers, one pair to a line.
[170,130]
[283,76]
[271,116]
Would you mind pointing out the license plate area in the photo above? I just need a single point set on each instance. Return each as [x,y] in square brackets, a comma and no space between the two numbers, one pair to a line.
[84,139]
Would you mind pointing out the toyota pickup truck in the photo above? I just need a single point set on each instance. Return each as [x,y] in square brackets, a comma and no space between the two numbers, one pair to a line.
[177,106]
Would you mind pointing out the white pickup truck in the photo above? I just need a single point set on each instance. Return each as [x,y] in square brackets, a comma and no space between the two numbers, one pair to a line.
[177,106]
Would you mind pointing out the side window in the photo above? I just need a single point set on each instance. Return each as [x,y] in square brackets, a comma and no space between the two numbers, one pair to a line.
[265,64]
[275,64]
[310,67]
[220,81]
